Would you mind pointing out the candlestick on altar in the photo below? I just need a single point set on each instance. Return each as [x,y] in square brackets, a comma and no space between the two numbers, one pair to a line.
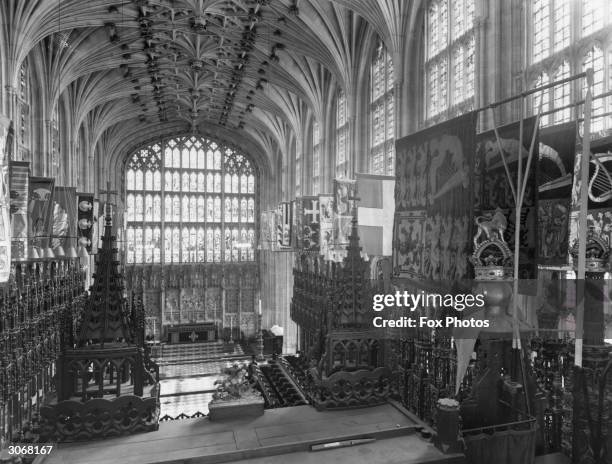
[259,310]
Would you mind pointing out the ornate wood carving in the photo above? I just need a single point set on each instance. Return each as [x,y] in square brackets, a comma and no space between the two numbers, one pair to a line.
[105,366]
[332,307]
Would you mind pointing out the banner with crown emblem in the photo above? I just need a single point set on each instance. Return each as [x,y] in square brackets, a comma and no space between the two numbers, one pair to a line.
[283,224]
[308,223]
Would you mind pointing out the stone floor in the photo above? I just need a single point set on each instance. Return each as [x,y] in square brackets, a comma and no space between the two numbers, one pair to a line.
[279,436]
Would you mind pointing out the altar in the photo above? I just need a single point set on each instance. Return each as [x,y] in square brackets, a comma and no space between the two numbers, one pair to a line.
[192,333]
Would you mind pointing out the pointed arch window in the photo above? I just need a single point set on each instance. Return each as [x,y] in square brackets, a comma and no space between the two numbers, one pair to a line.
[382,113]
[565,40]
[449,58]
[342,128]
[185,197]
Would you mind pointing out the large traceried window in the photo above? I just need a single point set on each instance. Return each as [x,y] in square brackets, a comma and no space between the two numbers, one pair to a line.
[382,113]
[566,39]
[316,158]
[189,200]
[342,130]
[449,62]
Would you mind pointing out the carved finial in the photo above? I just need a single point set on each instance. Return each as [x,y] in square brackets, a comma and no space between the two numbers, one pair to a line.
[597,252]
[492,259]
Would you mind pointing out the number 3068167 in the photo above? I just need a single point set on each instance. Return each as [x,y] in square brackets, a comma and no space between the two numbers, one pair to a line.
[29,449]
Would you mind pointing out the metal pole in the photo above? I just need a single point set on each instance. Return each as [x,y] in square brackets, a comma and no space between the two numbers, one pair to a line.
[583,200]
[516,339]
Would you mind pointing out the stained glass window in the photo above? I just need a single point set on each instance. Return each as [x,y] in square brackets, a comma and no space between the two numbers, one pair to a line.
[382,113]
[341,135]
[449,62]
[316,158]
[207,193]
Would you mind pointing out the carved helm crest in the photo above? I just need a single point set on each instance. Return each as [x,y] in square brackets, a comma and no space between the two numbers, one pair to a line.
[597,252]
[492,259]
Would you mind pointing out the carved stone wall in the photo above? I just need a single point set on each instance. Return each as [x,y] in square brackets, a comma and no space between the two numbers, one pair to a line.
[224,294]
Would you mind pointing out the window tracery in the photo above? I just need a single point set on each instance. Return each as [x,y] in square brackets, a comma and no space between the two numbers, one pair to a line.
[202,211]
[450,49]
[382,113]
[341,135]
[568,38]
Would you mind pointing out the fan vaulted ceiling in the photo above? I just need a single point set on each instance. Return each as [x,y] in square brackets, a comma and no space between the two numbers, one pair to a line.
[253,67]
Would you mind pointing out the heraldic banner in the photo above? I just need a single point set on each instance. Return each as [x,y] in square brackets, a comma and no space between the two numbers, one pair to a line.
[555,175]
[40,205]
[344,207]
[64,219]
[18,179]
[326,223]
[433,202]
[308,226]
[283,225]
[599,217]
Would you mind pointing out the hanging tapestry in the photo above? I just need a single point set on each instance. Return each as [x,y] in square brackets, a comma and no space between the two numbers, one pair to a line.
[40,202]
[493,191]
[308,223]
[555,176]
[64,218]
[433,202]
[344,206]
[599,190]
[283,225]
[18,178]
[326,223]
[85,219]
